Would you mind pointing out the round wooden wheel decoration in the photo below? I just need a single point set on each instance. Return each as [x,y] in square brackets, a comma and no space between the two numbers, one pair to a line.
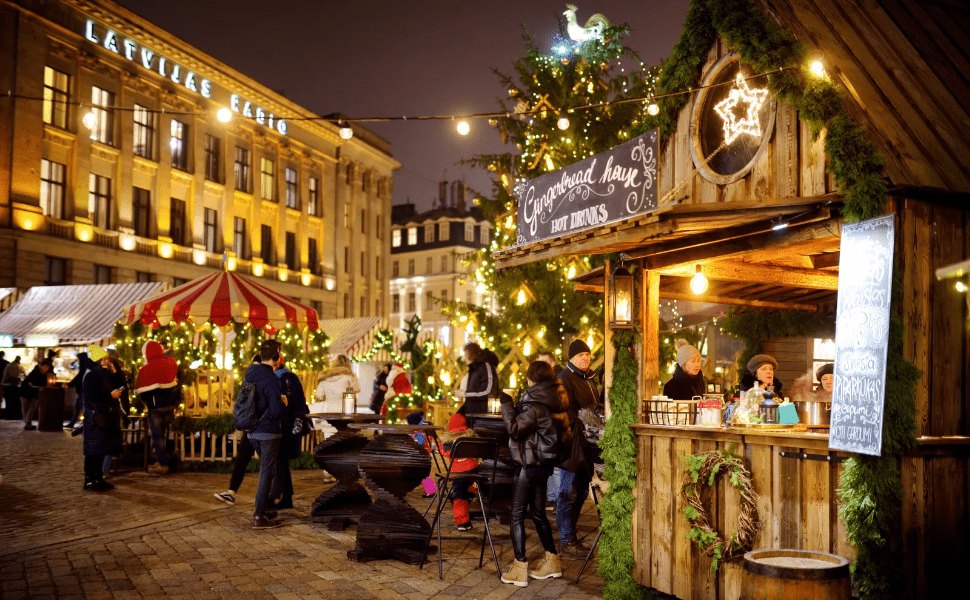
[711,466]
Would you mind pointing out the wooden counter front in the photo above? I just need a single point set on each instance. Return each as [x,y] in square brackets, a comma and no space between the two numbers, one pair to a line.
[797,504]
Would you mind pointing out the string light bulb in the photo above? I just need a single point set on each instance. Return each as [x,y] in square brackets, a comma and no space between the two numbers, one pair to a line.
[89,120]
[698,283]
[346,132]
[463,127]
[562,123]
[224,115]
[818,69]
[652,109]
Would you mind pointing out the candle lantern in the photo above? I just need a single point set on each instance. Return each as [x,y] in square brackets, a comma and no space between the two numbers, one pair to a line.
[621,296]
[769,408]
[350,402]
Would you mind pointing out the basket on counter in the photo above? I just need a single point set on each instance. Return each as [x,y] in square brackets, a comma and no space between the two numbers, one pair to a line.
[661,410]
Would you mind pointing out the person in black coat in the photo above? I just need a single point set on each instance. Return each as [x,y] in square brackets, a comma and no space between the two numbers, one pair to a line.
[762,368]
[688,381]
[296,406]
[380,389]
[30,391]
[539,436]
[102,420]
[83,363]
[482,379]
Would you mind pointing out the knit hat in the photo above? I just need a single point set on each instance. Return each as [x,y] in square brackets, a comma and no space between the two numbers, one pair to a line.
[577,346]
[760,359]
[826,369]
[457,422]
[415,418]
[685,352]
[96,353]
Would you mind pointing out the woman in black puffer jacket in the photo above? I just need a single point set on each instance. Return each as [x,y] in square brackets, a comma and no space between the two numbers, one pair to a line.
[539,437]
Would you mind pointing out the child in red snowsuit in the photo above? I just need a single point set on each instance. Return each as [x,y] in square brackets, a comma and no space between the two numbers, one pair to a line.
[462,489]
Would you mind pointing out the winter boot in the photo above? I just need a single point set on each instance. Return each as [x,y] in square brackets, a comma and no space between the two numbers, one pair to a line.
[459,508]
[548,567]
[517,574]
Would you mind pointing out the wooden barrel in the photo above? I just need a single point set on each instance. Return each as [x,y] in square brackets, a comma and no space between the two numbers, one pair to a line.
[795,575]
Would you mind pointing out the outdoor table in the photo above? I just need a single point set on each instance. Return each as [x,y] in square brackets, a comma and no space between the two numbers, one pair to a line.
[344,502]
[491,425]
[392,464]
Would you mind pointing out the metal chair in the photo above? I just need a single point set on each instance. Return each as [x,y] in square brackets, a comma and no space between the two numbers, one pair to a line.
[478,448]
[593,458]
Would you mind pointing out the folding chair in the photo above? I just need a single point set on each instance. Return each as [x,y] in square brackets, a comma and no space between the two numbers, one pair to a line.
[479,448]
[593,458]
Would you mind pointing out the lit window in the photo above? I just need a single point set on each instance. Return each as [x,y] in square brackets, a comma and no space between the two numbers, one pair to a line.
[443,231]
[144,132]
[469,232]
[101,105]
[99,201]
[179,144]
[412,236]
[429,233]
[484,236]
[313,197]
[52,177]
[396,238]
[266,184]
[241,169]
[292,191]
[57,89]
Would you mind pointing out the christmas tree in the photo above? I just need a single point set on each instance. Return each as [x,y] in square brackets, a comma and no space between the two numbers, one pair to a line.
[563,106]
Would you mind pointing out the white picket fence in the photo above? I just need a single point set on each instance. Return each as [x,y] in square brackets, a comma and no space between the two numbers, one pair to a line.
[206,446]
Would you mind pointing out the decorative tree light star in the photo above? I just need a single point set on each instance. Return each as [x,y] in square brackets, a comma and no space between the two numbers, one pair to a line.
[741,94]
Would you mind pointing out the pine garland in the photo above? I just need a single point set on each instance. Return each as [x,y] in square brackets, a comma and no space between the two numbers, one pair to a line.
[753,328]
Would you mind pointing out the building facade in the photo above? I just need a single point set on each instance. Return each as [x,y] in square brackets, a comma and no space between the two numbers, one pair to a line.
[433,261]
[116,167]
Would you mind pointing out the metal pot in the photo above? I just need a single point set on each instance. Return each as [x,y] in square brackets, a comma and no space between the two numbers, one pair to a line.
[811,412]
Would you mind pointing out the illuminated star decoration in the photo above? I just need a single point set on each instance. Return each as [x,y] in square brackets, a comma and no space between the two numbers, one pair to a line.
[750,123]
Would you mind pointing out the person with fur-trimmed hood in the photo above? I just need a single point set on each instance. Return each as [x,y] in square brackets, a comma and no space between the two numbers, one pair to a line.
[687,381]
[156,380]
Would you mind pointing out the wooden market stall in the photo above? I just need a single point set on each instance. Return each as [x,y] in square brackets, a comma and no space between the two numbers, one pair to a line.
[762,222]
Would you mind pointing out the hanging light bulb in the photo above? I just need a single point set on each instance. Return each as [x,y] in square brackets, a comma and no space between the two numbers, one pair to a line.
[463,127]
[527,347]
[89,120]
[346,132]
[521,300]
[652,109]
[698,283]
[818,69]
[562,123]
[224,115]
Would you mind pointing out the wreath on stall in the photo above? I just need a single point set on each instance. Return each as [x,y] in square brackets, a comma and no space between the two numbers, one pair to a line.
[704,469]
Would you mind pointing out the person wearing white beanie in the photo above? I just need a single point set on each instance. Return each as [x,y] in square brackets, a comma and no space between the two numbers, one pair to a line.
[687,381]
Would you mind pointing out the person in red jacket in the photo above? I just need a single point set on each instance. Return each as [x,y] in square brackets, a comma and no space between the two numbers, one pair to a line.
[461,492]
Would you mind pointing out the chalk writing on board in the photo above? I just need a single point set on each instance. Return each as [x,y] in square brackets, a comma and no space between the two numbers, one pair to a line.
[862,335]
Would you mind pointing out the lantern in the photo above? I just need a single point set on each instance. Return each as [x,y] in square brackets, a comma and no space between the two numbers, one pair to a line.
[350,402]
[769,408]
[621,297]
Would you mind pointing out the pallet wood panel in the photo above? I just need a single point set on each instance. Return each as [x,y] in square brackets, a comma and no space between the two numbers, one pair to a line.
[812,173]
[948,386]
[916,308]
[785,151]
[643,511]
[683,579]
[662,518]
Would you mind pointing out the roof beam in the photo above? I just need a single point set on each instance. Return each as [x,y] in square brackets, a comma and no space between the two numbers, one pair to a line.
[824,261]
[752,273]
[737,301]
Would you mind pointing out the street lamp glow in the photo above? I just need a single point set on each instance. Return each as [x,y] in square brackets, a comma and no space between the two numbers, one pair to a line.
[346,132]
[224,115]
[818,69]
[463,127]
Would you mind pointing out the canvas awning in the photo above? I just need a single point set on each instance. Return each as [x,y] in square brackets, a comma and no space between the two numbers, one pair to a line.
[77,314]
[351,337]
[7,297]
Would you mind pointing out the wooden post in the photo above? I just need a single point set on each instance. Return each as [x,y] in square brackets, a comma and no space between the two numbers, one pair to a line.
[650,317]
[609,353]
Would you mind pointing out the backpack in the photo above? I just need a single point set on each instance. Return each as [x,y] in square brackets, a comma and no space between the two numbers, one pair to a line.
[244,413]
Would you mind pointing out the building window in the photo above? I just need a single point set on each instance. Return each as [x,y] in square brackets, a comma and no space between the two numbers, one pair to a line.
[313,198]
[312,256]
[346,304]
[179,145]
[212,147]
[410,301]
[266,244]
[178,281]
[443,232]
[346,259]
[396,303]
[444,296]
[412,236]
[377,268]
[428,300]
[347,214]
[429,233]
[396,238]
[99,201]
[266,168]
[241,170]
[52,177]
[144,132]
[141,201]
[378,230]
[239,245]
[410,267]
[469,232]
[350,174]
[102,102]
[292,189]
[176,227]
[102,274]
[210,234]
[395,269]
[291,258]
[429,265]
[484,236]
[377,307]
[57,89]
[317,306]
[363,307]
[143,277]
[55,271]
[444,264]
[364,181]
[363,221]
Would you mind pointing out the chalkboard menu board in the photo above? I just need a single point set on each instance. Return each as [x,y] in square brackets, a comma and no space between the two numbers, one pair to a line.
[862,335]
[607,187]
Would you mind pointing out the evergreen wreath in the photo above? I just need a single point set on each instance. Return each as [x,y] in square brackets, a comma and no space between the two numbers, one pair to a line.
[704,469]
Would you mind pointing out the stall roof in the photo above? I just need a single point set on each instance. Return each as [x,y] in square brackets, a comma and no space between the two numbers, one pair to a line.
[77,314]
[351,337]
[7,297]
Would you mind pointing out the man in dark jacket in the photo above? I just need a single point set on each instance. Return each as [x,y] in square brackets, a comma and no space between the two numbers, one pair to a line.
[687,381]
[30,390]
[102,420]
[380,389]
[270,411]
[482,379]
[296,407]
[580,386]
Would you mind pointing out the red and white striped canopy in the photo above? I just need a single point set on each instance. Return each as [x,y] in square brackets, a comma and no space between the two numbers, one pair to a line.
[221,298]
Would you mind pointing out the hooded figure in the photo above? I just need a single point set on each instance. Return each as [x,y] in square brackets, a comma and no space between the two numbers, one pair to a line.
[687,381]
[157,377]
[332,384]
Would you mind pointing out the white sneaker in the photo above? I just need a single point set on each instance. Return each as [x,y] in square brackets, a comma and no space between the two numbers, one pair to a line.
[226,497]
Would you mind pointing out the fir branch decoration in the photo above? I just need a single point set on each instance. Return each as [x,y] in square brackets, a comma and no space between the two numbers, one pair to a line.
[753,328]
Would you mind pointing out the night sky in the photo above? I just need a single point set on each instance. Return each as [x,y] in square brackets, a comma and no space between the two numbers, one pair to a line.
[375,59]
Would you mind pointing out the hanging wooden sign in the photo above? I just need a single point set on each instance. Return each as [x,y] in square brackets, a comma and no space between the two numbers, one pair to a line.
[862,335]
[608,187]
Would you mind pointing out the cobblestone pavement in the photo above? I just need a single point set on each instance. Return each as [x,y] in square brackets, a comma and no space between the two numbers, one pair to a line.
[165,536]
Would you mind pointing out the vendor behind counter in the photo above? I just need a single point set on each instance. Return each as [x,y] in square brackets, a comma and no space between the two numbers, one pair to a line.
[687,381]
[762,368]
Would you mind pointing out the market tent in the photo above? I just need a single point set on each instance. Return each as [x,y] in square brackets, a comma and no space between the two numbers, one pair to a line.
[77,314]
[351,337]
[222,298]
[7,297]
